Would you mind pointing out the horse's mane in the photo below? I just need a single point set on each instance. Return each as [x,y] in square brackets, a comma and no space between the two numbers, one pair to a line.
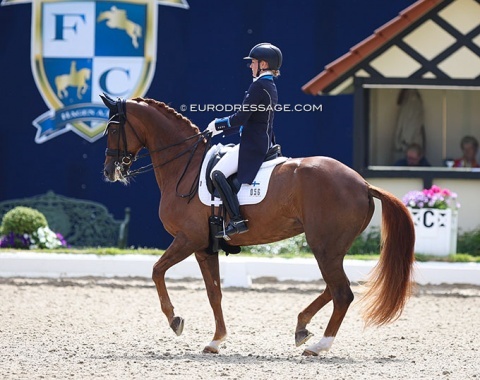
[168,111]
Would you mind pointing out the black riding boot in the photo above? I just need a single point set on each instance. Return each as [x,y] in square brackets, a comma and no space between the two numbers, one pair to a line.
[237,224]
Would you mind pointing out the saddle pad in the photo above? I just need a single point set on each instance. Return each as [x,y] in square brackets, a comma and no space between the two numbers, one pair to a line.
[248,194]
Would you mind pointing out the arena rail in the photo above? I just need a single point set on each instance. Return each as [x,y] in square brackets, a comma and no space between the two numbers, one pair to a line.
[236,271]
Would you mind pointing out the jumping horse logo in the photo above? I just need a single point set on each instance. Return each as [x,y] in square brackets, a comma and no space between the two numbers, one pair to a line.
[117,18]
[80,49]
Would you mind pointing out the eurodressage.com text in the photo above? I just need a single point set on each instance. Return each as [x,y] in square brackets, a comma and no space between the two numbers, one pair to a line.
[251,107]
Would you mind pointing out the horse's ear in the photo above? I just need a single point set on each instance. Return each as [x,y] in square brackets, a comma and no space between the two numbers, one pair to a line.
[109,102]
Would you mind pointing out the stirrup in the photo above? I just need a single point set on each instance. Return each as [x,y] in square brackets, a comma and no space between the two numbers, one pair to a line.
[233,228]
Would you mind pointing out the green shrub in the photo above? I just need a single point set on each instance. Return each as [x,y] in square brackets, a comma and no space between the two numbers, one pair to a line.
[462,258]
[469,242]
[22,220]
[368,243]
[294,245]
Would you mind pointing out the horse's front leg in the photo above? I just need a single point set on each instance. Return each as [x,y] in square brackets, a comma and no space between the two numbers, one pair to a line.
[81,90]
[176,252]
[211,275]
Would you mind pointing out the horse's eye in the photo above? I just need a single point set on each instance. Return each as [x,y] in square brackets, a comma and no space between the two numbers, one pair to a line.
[113,131]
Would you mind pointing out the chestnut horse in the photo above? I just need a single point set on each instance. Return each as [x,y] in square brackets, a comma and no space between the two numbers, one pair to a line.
[320,196]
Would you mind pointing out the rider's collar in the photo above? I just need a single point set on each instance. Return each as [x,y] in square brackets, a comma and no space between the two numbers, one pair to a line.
[265,73]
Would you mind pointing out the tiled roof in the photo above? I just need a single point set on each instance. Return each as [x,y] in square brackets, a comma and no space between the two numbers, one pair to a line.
[364,49]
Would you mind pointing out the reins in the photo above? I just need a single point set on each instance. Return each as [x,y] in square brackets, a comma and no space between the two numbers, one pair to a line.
[127,158]
[150,166]
[192,150]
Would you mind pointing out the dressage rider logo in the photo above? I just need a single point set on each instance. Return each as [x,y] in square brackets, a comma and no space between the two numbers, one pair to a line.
[80,49]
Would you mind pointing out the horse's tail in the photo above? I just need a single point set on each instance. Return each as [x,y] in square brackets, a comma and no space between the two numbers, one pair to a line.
[390,283]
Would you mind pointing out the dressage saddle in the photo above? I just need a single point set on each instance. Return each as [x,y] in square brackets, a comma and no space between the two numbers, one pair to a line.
[274,152]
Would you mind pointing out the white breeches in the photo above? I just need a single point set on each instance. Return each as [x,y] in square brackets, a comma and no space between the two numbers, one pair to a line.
[228,164]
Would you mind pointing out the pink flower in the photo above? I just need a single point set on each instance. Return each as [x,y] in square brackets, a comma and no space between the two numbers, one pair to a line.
[435,197]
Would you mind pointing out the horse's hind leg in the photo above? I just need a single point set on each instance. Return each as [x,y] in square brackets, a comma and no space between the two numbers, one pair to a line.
[304,318]
[176,252]
[342,296]
[61,93]
[211,275]
[133,31]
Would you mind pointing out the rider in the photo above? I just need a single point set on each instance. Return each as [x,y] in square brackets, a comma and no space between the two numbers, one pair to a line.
[254,122]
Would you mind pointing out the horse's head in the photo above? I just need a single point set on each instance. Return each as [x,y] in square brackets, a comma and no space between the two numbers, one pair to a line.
[169,137]
[123,142]
[107,15]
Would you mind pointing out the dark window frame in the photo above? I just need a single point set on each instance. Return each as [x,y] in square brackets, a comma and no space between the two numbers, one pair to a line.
[361,132]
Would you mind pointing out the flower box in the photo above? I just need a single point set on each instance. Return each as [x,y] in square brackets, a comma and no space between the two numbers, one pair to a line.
[435,231]
[435,216]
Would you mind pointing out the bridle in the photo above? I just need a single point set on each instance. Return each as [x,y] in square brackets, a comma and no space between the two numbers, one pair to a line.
[124,158]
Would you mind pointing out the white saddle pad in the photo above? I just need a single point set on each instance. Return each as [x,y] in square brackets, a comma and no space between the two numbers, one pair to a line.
[248,194]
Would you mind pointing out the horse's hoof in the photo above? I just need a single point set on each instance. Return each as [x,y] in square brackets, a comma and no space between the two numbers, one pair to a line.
[302,336]
[213,346]
[309,353]
[210,350]
[177,325]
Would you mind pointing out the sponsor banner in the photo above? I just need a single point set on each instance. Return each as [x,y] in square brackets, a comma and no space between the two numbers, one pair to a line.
[80,49]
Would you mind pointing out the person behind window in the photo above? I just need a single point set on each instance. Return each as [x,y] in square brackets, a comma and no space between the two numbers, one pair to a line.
[413,157]
[469,145]
[410,122]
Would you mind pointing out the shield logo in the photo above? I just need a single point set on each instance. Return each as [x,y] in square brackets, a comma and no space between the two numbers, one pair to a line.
[81,49]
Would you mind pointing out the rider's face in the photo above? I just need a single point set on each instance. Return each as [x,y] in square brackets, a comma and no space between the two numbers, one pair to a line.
[256,64]
[254,67]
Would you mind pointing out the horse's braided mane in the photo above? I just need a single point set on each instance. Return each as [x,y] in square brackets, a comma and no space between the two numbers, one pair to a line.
[169,110]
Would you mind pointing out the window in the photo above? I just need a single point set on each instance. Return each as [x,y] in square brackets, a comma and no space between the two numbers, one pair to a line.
[449,114]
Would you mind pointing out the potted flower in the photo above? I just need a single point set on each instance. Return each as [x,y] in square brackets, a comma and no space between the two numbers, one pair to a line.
[434,212]
[43,238]
[27,228]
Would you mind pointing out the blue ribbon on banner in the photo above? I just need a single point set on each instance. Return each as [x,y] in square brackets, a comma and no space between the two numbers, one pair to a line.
[55,122]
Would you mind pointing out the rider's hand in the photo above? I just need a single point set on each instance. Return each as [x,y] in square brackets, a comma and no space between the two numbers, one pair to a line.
[213,129]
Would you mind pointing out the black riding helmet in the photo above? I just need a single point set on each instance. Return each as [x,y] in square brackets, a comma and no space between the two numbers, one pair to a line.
[268,53]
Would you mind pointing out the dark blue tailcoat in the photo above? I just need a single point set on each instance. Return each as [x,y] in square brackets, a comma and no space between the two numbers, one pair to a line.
[255,122]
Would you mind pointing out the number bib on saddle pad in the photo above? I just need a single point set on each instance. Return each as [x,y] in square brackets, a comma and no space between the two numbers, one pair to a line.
[248,194]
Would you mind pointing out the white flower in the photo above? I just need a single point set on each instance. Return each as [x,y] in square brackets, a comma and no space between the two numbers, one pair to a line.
[46,239]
